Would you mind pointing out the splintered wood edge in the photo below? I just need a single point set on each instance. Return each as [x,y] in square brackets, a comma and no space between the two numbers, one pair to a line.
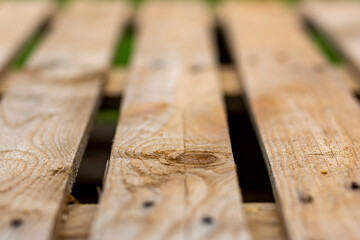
[262,218]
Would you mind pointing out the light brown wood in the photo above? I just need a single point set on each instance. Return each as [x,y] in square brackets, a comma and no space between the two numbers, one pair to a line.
[262,218]
[171,173]
[228,80]
[115,82]
[45,123]
[307,121]
[86,52]
[76,221]
[340,21]
[19,20]
[264,221]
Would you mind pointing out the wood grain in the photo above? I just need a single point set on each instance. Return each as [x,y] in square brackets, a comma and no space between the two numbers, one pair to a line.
[340,21]
[45,129]
[45,124]
[307,121]
[171,173]
[19,20]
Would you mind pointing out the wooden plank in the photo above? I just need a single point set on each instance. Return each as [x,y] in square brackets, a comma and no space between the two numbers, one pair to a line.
[18,21]
[84,53]
[340,21]
[171,173]
[307,121]
[44,124]
[262,218]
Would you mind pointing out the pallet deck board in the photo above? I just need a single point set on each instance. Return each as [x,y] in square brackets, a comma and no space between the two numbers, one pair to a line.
[171,173]
[340,21]
[19,20]
[307,122]
[69,53]
[45,123]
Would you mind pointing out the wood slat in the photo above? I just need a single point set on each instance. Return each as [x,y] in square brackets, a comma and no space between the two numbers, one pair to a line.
[171,173]
[263,220]
[86,52]
[340,21]
[44,123]
[19,20]
[307,121]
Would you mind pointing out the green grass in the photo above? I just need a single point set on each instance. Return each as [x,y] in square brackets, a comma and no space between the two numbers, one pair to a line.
[124,50]
[108,116]
[324,45]
[26,52]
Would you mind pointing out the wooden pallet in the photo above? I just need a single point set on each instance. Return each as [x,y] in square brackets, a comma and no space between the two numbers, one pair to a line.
[171,173]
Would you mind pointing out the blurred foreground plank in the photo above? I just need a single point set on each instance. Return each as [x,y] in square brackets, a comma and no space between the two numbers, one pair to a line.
[262,218]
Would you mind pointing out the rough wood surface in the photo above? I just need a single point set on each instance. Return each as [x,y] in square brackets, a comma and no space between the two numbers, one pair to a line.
[44,126]
[44,129]
[307,121]
[19,20]
[262,218]
[171,173]
[340,21]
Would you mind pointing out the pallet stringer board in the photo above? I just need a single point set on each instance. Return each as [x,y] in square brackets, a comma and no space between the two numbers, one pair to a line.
[262,218]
